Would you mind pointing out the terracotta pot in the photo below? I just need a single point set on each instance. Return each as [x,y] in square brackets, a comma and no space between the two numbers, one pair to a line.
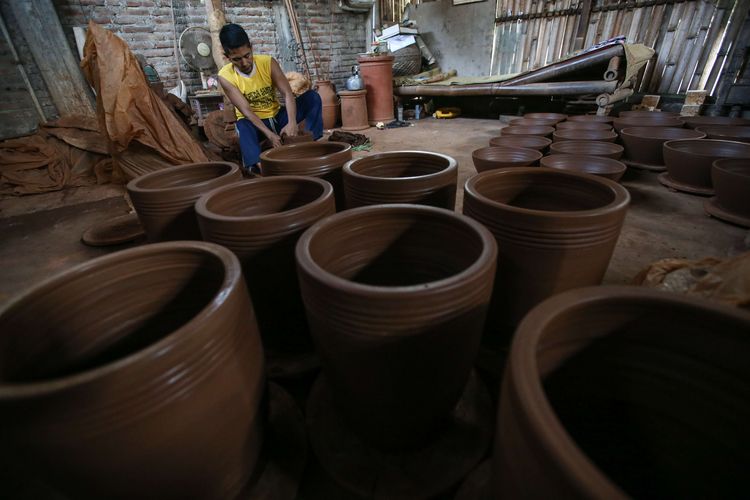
[726,132]
[532,122]
[702,121]
[643,113]
[164,199]
[493,157]
[521,141]
[546,116]
[555,230]
[620,392]
[401,177]
[377,73]
[354,110]
[591,118]
[646,144]
[573,134]
[135,375]
[396,297]
[657,120]
[327,91]
[731,181]
[584,126]
[689,161]
[322,159]
[528,130]
[260,221]
[590,148]
[596,165]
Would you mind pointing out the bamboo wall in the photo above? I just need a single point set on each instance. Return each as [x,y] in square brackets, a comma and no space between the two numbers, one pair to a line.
[692,38]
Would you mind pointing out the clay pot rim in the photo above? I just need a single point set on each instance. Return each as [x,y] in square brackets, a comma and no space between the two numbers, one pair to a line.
[717,129]
[722,163]
[620,202]
[629,132]
[541,115]
[134,186]
[547,141]
[305,260]
[546,129]
[267,155]
[648,123]
[524,371]
[516,149]
[669,145]
[452,165]
[232,276]
[617,167]
[614,147]
[201,206]
[605,134]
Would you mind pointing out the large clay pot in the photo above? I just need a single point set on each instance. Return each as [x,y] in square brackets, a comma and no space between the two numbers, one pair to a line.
[377,72]
[354,110]
[493,157]
[646,144]
[596,165]
[591,118]
[417,177]
[531,122]
[135,375]
[322,159]
[327,92]
[521,141]
[590,148]
[689,161]
[584,126]
[164,199]
[546,116]
[540,130]
[702,121]
[620,392]
[396,297]
[651,120]
[646,114]
[260,221]
[731,180]
[574,134]
[555,230]
[725,132]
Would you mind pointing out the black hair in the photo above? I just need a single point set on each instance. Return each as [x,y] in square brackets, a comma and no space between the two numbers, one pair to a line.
[233,36]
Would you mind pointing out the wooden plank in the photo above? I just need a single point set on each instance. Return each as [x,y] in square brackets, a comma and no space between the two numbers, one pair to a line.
[41,28]
[690,45]
[737,17]
[664,47]
[583,24]
[654,25]
[718,22]
[678,46]
[635,26]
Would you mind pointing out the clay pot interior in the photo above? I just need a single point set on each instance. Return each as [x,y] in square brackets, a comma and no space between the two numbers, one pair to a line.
[320,149]
[591,118]
[579,125]
[546,116]
[588,375]
[401,164]
[183,176]
[531,122]
[702,121]
[573,134]
[689,161]
[596,165]
[493,157]
[726,132]
[521,141]
[589,148]
[731,180]
[645,144]
[651,120]
[540,130]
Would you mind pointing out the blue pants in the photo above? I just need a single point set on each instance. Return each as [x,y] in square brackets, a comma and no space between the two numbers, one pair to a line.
[309,108]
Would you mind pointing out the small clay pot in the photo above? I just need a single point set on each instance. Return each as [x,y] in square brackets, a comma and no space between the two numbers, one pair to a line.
[164,199]
[573,134]
[591,118]
[493,157]
[584,126]
[260,221]
[589,148]
[731,181]
[596,165]
[645,144]
[652,120]
[532,122]
[521,141]
[396,297]
[546,116]
[540,130]
[643,113]
[604,385]
[689,161]
[555,230]
[417,177]
[726,132]
[315,159]
[135,375]
[702,121]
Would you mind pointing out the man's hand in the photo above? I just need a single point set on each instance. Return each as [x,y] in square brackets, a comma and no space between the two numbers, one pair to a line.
[290,129]
[275,140]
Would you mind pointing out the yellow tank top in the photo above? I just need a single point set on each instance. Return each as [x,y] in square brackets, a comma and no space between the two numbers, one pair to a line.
[257,88]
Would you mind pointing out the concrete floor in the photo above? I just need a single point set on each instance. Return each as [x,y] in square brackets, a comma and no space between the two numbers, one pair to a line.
[41,233]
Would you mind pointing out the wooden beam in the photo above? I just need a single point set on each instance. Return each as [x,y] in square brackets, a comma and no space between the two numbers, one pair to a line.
[216,20]
[41,28]
[583,24]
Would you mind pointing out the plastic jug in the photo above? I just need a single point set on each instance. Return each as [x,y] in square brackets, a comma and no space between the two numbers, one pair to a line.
[355,81]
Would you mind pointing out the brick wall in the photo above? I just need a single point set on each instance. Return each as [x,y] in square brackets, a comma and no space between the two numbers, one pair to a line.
[147,27]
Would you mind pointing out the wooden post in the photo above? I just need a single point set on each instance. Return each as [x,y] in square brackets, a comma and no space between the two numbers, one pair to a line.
[583,23]
[216,20]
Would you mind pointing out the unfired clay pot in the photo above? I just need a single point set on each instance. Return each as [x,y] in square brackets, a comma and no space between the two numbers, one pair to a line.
[573,134]
[418,177]
[652,120]
[546,116]
[164,199]
[591,118]
[135,375]
[493,157]
[702,121]
[644,113]
[645,144]
[555,230]
[377,73]
[731,180]
[327,91]
[521,141]
[260,221]
[531,122]
[584,126]
[689,162]
[396,297]
[725,132]
[540,130]
[625,392]
[590,148]
[317,159]
[596,165]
